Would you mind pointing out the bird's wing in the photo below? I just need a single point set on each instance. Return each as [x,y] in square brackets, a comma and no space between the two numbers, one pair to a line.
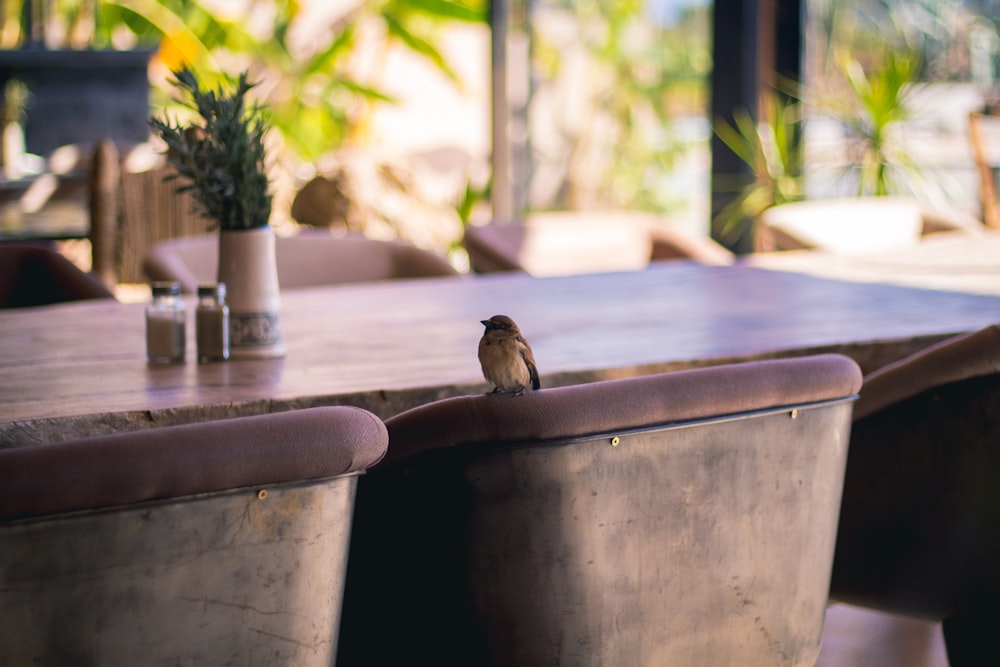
[529,361]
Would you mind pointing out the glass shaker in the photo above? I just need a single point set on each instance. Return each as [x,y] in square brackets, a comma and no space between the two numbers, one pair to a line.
[212,323]
[166,333]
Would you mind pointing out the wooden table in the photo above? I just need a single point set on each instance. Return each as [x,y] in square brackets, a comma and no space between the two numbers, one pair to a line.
[56,212]
[79,369]
[59,221]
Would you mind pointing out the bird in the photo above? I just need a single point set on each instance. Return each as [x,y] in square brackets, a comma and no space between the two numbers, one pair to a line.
[507,361]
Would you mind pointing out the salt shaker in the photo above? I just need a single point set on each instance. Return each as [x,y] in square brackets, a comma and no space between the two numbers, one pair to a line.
[212,323]
[166,332]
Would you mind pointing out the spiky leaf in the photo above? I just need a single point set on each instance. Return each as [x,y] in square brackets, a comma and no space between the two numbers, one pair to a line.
[221,159]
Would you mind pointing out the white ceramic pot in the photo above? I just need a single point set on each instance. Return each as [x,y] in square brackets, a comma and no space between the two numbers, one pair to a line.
[248,267]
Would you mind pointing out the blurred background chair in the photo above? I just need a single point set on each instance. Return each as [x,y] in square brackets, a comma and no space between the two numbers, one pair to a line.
[984,133]
[567,242]
[854,225]
[920,522]
[305,259]
[133,206]
[36,276]
[683,518]
[213,543]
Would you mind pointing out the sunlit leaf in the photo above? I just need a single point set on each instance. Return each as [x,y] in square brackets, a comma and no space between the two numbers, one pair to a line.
[419,45]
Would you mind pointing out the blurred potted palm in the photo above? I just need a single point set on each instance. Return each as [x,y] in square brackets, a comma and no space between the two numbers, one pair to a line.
[878,104]
[870,106]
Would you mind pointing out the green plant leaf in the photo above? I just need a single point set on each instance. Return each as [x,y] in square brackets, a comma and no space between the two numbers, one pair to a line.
[450,10]
[419,45]
[221,157]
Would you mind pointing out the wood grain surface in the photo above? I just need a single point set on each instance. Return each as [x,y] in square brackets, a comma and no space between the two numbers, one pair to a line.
[80,369]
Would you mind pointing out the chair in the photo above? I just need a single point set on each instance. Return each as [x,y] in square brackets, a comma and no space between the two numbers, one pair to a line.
[133,206]
[854,225]
[306,259]
[214,543]
[567,242]
[685,518]
[920,523]
[978,123]
[33,275]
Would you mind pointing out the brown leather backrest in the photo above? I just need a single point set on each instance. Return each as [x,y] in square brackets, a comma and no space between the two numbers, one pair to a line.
[959,358]
[563,242]
[190,261]
[602,407]
[317,258]
[177,461]
[36,276]
[558,245]
[304,260]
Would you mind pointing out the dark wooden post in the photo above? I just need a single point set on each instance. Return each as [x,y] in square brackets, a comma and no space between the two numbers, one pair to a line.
[735,85]
[105,179]
[756,43]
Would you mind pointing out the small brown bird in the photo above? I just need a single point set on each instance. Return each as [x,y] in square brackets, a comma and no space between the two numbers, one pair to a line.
[506,357]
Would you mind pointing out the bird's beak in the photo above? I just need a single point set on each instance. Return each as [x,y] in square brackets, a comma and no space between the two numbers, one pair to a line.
[485,323]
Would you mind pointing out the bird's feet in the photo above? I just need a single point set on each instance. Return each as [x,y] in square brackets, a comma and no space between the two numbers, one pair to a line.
[513,392]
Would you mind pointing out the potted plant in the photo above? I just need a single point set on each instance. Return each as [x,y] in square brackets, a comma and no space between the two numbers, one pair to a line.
[220,157]
[869,104]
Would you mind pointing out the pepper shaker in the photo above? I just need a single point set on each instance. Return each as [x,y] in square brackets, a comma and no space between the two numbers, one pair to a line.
[166,331]
[212,323]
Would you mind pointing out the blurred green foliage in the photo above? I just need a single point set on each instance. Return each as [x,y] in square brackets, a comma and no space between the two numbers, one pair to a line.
[870,62]
[877,107]
[312,92]
[772,147]
[221,159]
[645,71]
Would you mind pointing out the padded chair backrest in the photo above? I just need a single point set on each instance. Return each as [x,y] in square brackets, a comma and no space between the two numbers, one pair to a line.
[920,519]
[36,276]
[155,464]
[566,242]
[304,260]
[214,543]
[684,518]
[615,405]
[557,247]
[970,355]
